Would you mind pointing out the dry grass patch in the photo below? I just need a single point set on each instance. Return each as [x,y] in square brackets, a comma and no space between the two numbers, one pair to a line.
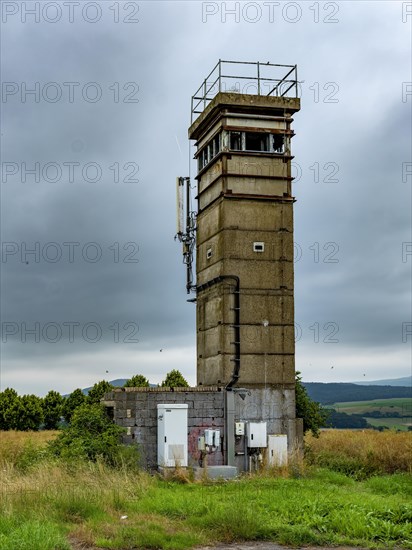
[366,452]
[20,450]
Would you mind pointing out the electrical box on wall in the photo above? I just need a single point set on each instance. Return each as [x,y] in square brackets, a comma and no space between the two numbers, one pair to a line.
[256,434]
[239,428]
[277,451]
[212,438]
[172,435]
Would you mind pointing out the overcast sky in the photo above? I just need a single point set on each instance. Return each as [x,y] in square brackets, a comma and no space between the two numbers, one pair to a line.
[90,157]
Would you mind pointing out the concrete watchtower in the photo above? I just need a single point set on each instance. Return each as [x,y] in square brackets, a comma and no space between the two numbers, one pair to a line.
[244,239]
[242,412]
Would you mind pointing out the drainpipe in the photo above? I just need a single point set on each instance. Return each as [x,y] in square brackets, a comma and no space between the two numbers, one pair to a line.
[230,427]
[236,369]
[230,394]
[212,282]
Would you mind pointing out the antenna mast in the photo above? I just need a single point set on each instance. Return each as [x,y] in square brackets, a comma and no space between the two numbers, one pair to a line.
[186,235]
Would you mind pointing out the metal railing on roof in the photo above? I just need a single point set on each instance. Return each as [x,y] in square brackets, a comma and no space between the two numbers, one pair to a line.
[266,80]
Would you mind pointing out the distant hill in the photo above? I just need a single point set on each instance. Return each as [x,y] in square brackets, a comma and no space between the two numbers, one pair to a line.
[338,392]
[405,381]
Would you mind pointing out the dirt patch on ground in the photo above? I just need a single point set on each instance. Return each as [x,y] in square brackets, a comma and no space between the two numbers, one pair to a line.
[78,545]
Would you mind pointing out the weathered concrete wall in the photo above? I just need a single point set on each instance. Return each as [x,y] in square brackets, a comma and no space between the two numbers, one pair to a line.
[276,407]
[245,198]
[136,410]
[249,103]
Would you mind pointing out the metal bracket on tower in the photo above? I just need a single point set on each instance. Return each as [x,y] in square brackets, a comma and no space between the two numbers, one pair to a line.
[186,232]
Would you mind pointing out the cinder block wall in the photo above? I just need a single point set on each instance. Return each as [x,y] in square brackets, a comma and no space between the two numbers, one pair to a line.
[136,410]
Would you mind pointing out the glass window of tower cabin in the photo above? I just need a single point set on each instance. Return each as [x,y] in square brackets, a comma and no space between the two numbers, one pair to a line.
[205,156]
[216,145]
[202,158]
[235,141]
[278,143]
[257,141]
[208,152]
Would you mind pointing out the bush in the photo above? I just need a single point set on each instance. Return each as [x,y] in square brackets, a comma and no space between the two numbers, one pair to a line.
[313,414]
[91,435]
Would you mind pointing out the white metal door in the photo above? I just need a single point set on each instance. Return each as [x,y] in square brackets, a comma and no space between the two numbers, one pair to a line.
[172,435]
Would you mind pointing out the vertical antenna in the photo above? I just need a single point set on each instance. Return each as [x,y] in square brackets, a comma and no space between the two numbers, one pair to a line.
[179,205]
[186,235]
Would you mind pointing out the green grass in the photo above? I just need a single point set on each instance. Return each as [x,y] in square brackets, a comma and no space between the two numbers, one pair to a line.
[391,423]
[31,534]
[50,505]
[401,405]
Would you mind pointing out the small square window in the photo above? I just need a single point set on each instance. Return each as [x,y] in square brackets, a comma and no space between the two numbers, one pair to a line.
[258,247]
[208,253]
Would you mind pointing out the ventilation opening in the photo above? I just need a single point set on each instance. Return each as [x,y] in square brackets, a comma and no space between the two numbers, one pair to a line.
[258,247]
[110,412]
[208,253]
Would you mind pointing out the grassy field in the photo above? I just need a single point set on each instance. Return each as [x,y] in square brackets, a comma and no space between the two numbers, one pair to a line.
[403,406]
[400,405]
[391,423]
[361,454]
[51,505]
[18,448]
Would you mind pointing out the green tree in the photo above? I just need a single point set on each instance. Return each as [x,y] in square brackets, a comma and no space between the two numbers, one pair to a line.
[174,379]
[90,435]
[341,420]
[9,406]
[98,390]
[30,413]
[137,381]
[70,404]
[313,414]
[52,409]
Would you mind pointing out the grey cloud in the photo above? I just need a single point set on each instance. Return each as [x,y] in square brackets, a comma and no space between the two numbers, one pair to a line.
[168,53]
